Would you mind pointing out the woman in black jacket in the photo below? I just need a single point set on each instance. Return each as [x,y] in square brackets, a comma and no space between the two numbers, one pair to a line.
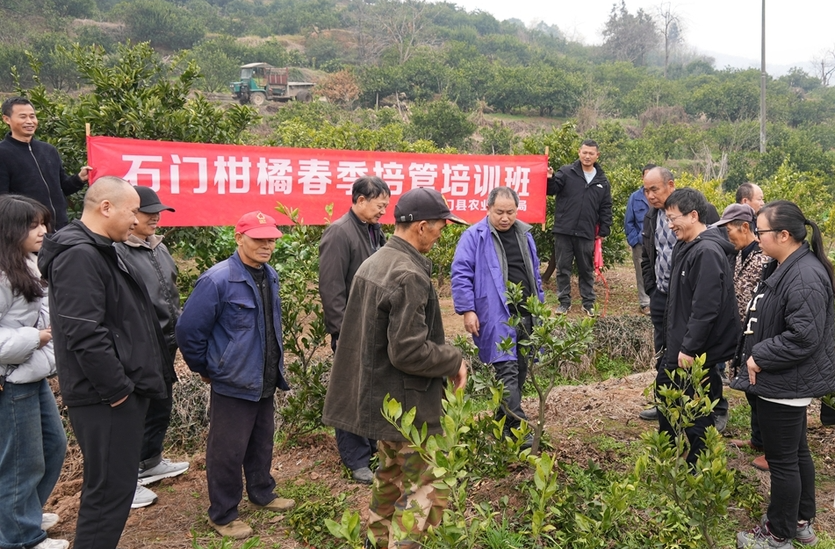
[787,357]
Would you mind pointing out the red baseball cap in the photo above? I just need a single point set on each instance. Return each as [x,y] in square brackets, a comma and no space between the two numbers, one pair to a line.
[257,225]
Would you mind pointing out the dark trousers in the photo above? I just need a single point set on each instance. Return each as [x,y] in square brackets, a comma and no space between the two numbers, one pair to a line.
[657,305]
[567,249]
[695,433]
[355,451]
[512,374]
[240,436]
[756,434]
[790,465]
[110,439]
[827,415]
[156,425]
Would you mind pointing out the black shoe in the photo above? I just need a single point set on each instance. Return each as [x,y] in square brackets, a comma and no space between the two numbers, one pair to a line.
[650,414]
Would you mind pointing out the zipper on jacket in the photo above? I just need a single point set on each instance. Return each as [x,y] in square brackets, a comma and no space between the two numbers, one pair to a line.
[48,192]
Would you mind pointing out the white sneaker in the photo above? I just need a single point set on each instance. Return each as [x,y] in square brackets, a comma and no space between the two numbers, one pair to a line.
[48,521]
[142,497]
[49,543]
[164,469]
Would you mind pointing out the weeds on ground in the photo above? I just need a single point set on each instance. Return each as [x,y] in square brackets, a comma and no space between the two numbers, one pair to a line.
[315,505]
[227,543]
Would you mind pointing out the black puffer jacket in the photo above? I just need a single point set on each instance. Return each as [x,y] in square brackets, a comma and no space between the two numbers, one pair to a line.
[701,315]
[108,343]
[790,331]
[581,206]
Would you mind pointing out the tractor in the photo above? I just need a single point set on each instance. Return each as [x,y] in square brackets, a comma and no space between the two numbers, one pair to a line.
[261,82]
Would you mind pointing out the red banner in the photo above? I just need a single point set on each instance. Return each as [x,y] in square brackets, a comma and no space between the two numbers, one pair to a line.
[216,184]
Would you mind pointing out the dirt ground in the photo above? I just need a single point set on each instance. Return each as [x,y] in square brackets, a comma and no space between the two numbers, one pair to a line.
[576,415]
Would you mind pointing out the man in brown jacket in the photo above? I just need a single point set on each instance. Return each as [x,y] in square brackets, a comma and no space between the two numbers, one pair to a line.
[394,345]
[346,243]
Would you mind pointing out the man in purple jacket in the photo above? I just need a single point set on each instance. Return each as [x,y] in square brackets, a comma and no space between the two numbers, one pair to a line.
[497,250]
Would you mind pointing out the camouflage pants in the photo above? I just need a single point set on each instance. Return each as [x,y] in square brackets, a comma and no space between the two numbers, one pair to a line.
[403,481]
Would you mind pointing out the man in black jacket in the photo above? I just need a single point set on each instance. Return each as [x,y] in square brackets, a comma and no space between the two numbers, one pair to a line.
[108,348]
[701,316]
[145,253]
[583,213]
[346,243]
[657,259]
[31,167]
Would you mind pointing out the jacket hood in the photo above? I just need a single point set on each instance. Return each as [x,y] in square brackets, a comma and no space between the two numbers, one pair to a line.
[74,234]
[714,234]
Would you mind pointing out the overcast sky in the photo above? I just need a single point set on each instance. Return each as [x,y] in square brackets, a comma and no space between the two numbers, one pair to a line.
[729,30]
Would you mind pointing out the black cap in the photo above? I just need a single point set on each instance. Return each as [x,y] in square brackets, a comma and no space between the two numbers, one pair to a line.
[422,204]
[149,201]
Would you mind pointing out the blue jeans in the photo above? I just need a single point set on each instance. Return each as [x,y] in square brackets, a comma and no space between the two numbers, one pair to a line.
[32,450]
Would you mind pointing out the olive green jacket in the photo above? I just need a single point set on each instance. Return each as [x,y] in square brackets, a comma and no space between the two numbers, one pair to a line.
[392,342]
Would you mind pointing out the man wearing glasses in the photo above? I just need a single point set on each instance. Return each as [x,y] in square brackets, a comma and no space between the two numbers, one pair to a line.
[657,254]
[701,315]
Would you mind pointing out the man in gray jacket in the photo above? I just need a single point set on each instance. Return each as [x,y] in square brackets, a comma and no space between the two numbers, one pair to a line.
[149,258]
[394,345]
[346,243]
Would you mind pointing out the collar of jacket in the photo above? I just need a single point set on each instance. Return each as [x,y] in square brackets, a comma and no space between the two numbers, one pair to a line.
[774,272]
[401,245]
[577,167]
[519,228]
[135,242]
[19,143]
[360,222]
[238,272]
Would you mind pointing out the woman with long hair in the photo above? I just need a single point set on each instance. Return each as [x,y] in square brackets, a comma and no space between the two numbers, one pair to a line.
[787,357]
[33,443]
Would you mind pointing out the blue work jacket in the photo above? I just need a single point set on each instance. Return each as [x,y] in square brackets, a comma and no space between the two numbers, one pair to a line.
[633,222]
[221,330]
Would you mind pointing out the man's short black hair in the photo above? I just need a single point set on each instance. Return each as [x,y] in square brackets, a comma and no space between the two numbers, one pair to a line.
[688,200]
[8,104]
[590,143]
[746,190]
[370,187]
[647,168]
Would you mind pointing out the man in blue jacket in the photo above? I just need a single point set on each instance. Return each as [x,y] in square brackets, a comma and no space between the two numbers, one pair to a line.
[230,334]
[497,250]
[633,223]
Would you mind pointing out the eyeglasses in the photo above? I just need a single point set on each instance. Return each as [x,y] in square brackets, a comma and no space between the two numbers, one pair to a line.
[758,232]
[672,218]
